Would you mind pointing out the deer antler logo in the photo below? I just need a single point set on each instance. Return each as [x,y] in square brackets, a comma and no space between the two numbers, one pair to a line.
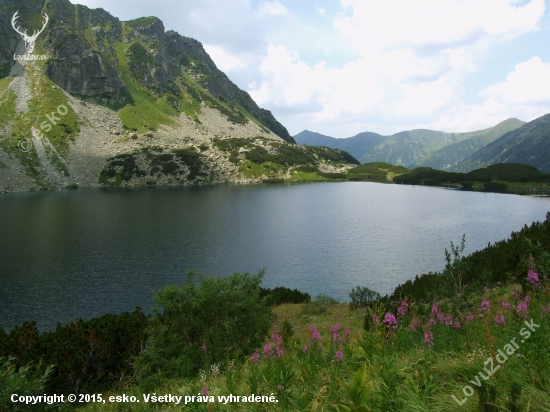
[29,40]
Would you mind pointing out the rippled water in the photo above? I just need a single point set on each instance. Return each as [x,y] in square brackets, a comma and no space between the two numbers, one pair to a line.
[87,252]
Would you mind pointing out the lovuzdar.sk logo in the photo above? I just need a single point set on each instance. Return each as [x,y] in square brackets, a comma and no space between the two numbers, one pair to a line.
[29,40]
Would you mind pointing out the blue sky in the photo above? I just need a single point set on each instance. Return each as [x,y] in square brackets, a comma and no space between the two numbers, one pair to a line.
[342,67]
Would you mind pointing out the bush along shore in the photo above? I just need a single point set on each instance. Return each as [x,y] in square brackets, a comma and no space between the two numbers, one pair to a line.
[472,338]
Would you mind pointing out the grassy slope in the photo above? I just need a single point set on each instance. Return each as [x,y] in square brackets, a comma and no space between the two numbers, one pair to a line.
[406,373]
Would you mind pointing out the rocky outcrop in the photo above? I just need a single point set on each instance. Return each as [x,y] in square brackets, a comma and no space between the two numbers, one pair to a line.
[81,71]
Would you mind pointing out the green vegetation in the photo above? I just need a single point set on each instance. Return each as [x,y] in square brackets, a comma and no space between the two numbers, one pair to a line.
[280,295]
[184,163]
[141,22]
[493,177]
[203,323]
[376,171]
[88,356]
[143,110]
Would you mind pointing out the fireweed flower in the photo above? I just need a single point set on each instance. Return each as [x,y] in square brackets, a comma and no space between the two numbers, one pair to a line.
[277,338]
[500,320]
[545,310]
[429,339]
[505,305]
[470,318]
[390,320]
[305,348]
[204,391]
[339,355]
[435,309]
[203,347]
[516,294]
[347,333]
[280,351]
[456,325]
[533,278]
[255,358]
[432,322]
[402,309]
[280,387]
[523,310]
[376,320]
[268,350]
[485,305]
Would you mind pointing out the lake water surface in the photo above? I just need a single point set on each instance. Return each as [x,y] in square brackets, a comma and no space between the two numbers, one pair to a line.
[87,252]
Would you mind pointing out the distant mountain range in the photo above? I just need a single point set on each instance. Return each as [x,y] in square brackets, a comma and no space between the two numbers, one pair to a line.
[528,144]
[413,148]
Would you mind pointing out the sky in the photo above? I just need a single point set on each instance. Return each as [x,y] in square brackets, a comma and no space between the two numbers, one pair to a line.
[342,67]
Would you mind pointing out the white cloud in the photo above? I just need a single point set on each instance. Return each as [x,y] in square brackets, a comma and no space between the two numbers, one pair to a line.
[528,83]
[271,8]
[224,61]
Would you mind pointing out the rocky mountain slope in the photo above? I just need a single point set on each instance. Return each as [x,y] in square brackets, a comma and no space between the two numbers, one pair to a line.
[413,148]
[127,103]
[528,144]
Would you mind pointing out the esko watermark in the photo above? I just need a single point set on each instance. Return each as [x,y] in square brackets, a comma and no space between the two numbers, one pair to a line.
[25,145]
[510,348]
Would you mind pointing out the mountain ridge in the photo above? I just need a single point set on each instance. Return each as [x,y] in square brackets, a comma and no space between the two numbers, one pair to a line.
[412,148]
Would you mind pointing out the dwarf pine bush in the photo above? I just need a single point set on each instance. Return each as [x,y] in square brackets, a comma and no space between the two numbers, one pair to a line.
[204,321]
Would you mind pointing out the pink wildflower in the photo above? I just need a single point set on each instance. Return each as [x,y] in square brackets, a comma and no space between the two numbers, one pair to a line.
[516,294]
[376,320]
[432,322]
[305,348]
[280,387]
[470,318]
[390,320]
[456,325]
[335,329]
[276,337]
[485,305]
[203,347]
[315,335]
[204,391]
[339,355]
[268,350]
[280,351]
[347,333]
[523,310]
[255,358]
[429,339]
[533,278]
[500,320]
[402,309]
[505,305]
[545,310]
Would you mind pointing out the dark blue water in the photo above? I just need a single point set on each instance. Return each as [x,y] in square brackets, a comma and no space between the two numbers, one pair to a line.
[87,252]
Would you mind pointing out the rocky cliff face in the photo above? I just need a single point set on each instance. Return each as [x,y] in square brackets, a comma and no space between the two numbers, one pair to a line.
[127,103]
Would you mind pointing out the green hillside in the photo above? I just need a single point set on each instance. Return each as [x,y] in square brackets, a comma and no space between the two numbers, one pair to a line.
[448,157]
[496,177]
[528,144]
